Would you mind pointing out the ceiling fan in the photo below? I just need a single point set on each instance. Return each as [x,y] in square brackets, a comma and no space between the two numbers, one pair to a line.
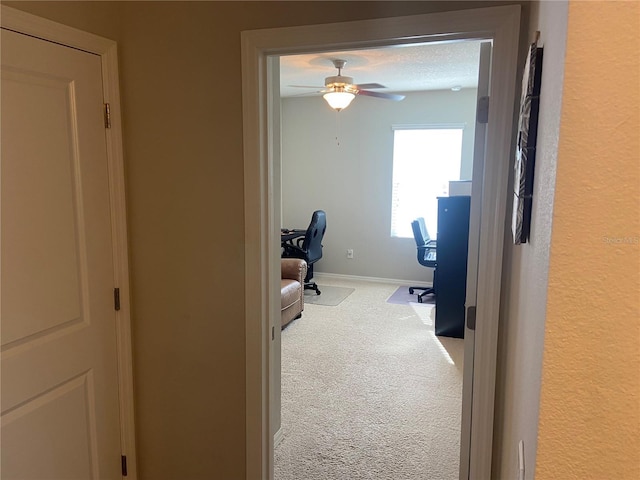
[339,90]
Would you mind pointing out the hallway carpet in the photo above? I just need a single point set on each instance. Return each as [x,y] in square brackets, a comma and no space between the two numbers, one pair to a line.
[369,392]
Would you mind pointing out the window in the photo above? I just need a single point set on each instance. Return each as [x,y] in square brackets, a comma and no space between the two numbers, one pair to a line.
[425,159]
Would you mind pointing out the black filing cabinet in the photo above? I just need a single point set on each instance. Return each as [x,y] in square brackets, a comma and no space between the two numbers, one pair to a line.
[453,241]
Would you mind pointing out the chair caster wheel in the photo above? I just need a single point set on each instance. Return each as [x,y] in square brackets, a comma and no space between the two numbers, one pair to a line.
[419,299]
[411,291]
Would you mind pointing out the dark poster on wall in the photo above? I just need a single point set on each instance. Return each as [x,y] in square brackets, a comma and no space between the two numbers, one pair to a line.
[526,145]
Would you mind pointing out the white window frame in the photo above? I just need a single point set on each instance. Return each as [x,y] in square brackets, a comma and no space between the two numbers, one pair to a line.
[421,205]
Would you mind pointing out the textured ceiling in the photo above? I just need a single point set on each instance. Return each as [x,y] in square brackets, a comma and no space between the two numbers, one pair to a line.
[433,66]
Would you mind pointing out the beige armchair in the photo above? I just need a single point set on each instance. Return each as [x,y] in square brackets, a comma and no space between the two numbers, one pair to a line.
[292,289]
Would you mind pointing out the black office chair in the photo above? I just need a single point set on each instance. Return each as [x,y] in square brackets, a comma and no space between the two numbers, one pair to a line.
[426,255]
[308,247]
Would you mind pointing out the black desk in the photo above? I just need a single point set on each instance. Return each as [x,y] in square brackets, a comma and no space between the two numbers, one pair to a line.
[288,235]
[453,241]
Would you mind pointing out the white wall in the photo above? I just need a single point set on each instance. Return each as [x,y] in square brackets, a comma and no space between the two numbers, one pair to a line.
[342,163]
[526,270]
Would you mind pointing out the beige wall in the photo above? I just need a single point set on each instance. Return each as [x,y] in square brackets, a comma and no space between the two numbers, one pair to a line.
[577,406]
[526,267]
[182,106]
[590,398]
[180,70]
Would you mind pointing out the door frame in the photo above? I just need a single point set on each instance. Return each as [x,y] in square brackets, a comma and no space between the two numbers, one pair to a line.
[262,269]
[26,23]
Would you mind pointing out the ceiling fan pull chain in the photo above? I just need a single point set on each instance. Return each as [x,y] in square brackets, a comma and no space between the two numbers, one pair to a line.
[337,128]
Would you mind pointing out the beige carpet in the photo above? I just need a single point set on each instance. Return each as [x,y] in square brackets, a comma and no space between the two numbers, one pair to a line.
[369,392]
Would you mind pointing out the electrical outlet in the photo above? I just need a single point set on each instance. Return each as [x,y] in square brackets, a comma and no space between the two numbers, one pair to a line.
[350,253]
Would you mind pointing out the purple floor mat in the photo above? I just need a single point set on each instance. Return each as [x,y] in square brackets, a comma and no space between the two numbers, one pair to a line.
[402,296]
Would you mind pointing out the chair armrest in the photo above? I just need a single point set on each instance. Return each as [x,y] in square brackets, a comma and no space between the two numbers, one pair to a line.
[294,269]
[422,256]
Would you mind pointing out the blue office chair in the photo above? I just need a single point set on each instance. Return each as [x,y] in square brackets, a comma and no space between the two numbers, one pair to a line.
[426,249]
[308,247]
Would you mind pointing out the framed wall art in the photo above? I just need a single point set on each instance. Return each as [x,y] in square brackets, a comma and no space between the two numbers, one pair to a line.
[525,154]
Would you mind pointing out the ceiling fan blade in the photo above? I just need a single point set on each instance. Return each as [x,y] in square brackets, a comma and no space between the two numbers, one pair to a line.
[307,94]
[388,96]
[306,86]
[369,86]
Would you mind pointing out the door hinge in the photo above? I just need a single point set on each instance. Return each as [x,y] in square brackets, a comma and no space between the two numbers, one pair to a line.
[123,460]
[482,110]
[116,298]
[471,317]
[273,333]
[107,115]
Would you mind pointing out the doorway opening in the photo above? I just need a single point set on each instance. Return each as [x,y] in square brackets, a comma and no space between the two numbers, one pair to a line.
[356,181]
[262,214]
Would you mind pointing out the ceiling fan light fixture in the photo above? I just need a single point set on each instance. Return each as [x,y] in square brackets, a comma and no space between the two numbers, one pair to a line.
[338,100]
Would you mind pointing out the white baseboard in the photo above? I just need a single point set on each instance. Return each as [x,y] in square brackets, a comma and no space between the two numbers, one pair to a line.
[277,438]
[318,276]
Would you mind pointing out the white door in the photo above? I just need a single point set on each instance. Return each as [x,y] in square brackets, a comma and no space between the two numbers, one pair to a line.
[466,446]
[60,410]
